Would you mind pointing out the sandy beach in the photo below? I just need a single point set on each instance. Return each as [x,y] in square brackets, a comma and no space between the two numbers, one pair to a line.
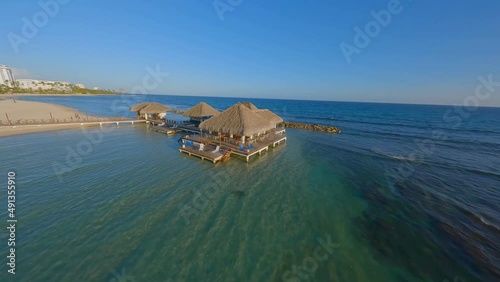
[11,96]
[21,113]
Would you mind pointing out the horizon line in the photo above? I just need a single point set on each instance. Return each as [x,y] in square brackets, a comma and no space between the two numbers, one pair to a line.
[314,100]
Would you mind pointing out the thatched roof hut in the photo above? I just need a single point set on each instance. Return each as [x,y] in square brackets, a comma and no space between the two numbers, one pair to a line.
[137,107]
[249,105]
[239,120]
[201,110]
[150,108]
[269,116]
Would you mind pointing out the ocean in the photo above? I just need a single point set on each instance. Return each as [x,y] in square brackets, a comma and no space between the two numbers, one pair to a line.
[404,193]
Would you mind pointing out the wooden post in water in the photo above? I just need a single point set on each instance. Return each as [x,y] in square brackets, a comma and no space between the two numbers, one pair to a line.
[51,118]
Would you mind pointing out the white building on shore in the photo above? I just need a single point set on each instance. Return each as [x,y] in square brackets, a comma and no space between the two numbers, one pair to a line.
[43,84]
[6,76]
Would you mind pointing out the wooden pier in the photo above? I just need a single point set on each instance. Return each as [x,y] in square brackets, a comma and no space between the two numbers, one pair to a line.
[172,128]
[7,130]
[112,122]
[81,123]
[165,130]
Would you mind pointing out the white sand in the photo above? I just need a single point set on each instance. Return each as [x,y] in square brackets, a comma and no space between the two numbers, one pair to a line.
[17,110]
[26,110]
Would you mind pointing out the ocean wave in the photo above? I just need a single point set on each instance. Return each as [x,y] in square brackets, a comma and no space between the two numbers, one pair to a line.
[486,222]
[411,158]
[450,142]
[480,171]
[479,219]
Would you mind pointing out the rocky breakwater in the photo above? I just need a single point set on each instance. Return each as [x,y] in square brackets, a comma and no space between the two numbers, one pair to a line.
[180,112]
[314,127]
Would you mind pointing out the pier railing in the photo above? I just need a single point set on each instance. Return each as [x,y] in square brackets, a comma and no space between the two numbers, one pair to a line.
[257,143]
[56,120]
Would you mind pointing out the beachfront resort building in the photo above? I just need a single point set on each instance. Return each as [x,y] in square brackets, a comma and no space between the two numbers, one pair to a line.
[6,76]
[43,84]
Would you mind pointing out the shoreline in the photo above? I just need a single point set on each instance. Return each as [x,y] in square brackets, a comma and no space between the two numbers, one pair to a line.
[6,131]
[11,130]
[22,117]
[10,96]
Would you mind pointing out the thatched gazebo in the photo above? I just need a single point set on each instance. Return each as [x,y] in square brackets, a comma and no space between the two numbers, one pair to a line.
[270,116]
[249,105]
[137,107]
[200,112]
[239,121]
[150,110]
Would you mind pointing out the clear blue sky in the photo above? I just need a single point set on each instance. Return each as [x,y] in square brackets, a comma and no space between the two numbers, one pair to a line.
[431,52]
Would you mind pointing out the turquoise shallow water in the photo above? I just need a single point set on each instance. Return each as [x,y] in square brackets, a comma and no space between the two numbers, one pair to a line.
[133,207]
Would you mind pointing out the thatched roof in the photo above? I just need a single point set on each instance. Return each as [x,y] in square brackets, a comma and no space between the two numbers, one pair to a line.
[238,119]
[201,110]
[154,108]
[269,116]
[139,106]
[249,105]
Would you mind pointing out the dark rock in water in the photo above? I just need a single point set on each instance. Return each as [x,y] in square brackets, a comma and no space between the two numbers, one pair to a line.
[314,127]
[238,193]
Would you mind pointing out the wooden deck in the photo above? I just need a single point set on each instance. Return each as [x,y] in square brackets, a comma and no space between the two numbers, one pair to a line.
[206,154]
[171,128]
[82,123]
[274,138]
[257,146]
[165,130]
[279,130]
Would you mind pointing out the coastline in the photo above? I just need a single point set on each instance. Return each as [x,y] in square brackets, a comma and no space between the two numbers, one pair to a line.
[22,117]
[10,96]
[26,129]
